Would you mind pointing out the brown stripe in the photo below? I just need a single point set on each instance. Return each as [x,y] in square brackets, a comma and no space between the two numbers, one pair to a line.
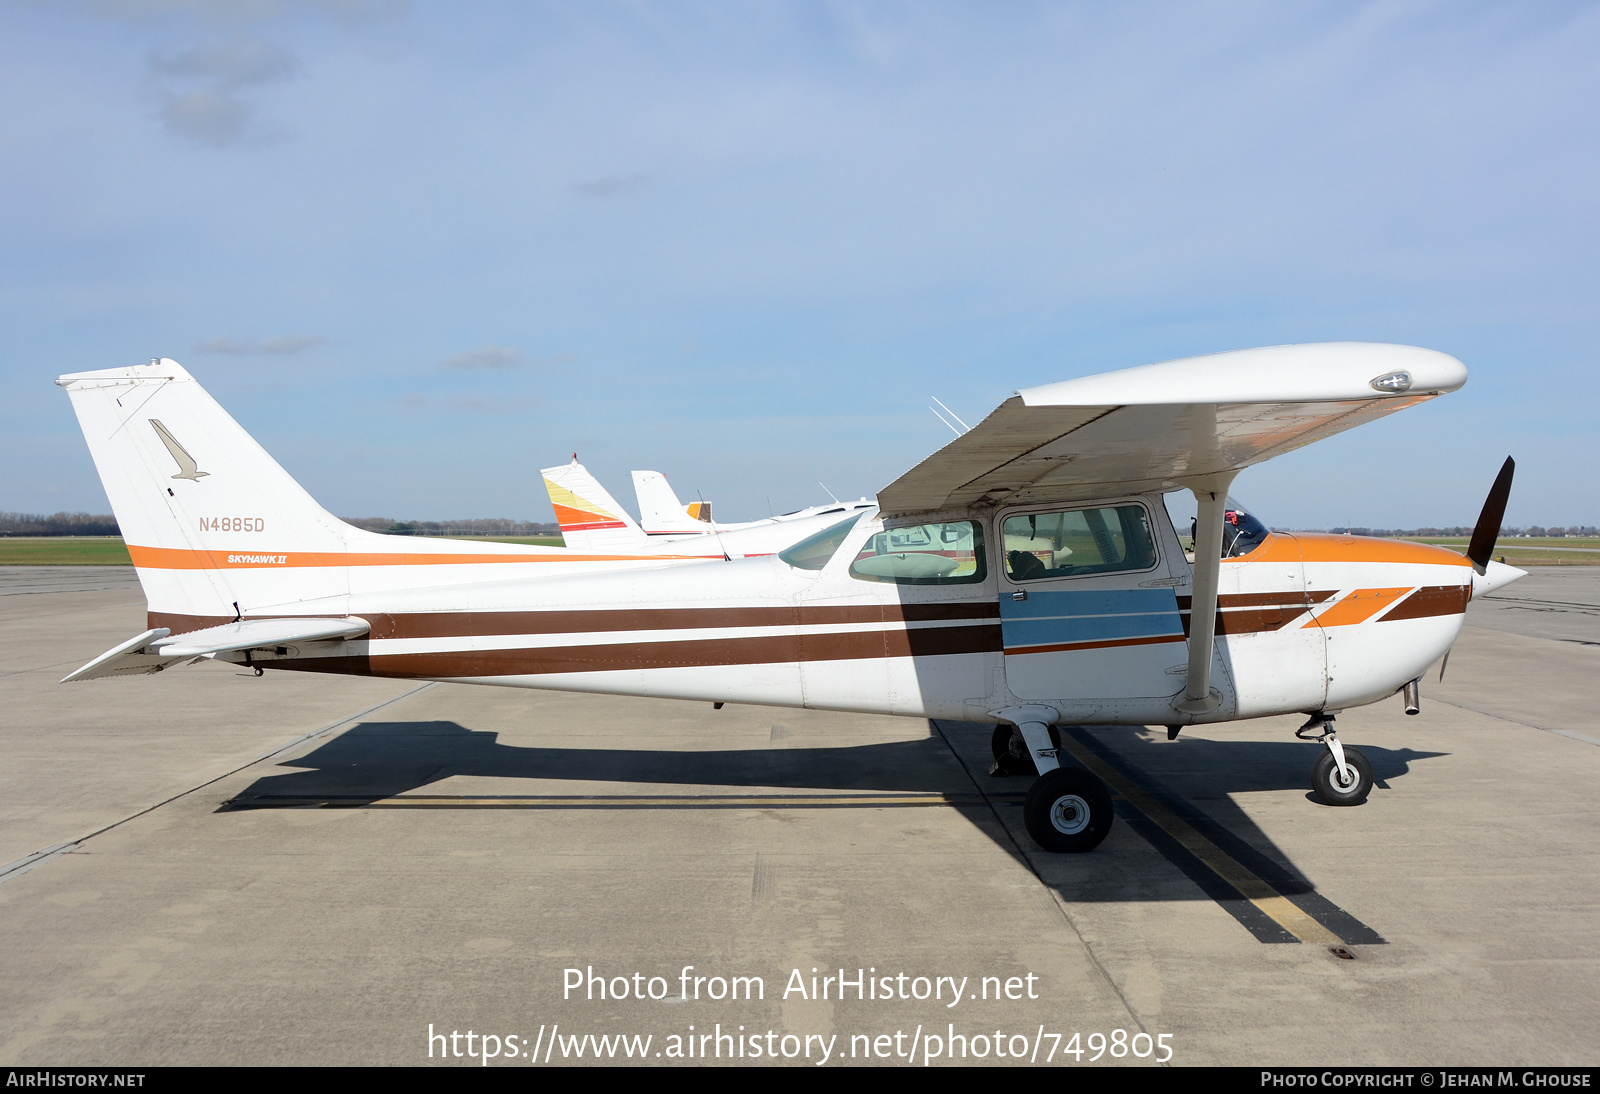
[705,653]
[1253,622]
[568,621]
[183,624]
[467,624]
[1430,600]
[1061,647]
[1257,600]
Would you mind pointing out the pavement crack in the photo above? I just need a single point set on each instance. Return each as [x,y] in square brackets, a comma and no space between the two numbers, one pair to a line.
[1027,860]
[39,858]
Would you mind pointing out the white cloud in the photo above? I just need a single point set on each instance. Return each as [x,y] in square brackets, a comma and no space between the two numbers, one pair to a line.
[281,345]
[607,186]
[205,105]
[241,11]
[500,357]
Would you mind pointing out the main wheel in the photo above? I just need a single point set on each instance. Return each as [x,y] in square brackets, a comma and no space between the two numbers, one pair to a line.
[1010,751]
[1068,809]
[1333,790]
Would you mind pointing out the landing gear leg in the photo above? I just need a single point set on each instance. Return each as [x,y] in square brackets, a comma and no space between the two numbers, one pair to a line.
[1340,776]
[1067,809]
[1010,751]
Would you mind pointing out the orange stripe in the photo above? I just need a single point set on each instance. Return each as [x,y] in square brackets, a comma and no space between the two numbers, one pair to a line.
[586,519]
[173,558]
[1358,607]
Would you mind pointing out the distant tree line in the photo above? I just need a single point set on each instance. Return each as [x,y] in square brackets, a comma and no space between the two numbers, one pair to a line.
[58,524]
[87,524]
[1533,530]
[482,526]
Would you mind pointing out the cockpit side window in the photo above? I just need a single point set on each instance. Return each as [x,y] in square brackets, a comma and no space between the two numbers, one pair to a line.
[1101,540]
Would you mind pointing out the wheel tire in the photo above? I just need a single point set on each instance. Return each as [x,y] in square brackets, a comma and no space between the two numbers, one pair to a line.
[1325,778]
[1068,810]
[1010,751]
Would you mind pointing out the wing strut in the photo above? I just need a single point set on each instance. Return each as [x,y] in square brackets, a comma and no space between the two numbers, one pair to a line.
[1211,500]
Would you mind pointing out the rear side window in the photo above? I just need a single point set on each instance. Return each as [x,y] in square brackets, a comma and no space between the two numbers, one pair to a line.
[813,552]
[1078,541]
[924,554]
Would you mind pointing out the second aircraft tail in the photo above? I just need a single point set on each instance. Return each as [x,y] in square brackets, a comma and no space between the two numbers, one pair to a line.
[590,518]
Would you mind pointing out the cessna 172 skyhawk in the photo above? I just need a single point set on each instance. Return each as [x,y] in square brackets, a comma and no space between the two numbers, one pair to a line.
[1024,575]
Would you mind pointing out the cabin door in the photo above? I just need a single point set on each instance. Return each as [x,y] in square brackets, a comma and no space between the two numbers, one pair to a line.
[1088,607]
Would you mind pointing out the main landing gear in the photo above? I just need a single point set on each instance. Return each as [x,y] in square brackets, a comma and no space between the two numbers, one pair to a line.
[1011,751]
[1067,809]
[1340,776]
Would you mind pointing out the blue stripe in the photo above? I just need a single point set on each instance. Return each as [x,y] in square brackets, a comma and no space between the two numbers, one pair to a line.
[1048,617]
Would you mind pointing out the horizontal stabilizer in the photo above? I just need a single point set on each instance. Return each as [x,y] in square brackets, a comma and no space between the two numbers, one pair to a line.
[128,659]
[157,649]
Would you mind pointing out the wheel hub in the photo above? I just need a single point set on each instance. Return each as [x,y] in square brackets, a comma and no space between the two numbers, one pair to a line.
[1069,814]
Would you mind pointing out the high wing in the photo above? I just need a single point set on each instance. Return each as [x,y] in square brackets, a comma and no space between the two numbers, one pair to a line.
[1168,425]
[155,649]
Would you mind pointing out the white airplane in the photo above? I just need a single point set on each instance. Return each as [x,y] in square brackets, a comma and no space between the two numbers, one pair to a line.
[1025,575]
[662,514]
[592,520]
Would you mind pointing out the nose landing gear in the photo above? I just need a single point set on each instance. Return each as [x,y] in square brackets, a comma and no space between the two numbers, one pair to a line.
[1340,776]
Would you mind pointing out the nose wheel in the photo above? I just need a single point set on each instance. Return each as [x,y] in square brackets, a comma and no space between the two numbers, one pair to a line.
[1348,787]
[1340,775]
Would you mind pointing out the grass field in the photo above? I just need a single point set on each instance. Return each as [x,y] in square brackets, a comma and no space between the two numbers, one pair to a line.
[109,551]
[63,551]
[1533,551]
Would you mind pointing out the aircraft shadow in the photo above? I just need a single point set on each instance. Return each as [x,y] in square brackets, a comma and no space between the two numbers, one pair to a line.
[1195,778]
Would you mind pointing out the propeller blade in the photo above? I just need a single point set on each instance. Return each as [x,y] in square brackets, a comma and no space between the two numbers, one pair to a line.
[1487,530]
[1444,665]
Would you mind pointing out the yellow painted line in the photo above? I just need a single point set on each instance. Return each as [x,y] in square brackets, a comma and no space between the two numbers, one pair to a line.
[747,801]
[1273,904]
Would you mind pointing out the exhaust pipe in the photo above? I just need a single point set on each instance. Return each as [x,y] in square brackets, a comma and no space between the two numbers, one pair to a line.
[1413,696]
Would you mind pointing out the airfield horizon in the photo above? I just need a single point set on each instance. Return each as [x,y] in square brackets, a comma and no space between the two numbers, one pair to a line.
[110,550]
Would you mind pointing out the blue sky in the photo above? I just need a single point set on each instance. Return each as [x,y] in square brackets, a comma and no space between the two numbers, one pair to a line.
[422,250]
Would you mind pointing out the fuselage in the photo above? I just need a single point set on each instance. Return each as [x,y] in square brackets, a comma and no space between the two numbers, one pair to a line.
[1305,623]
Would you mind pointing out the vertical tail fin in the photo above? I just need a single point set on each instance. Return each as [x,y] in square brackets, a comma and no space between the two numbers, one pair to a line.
[590,518]
[661,512]
[210,519]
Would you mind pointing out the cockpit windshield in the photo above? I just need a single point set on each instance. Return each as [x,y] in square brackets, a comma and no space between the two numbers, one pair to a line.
[1241,531]
[813,552]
